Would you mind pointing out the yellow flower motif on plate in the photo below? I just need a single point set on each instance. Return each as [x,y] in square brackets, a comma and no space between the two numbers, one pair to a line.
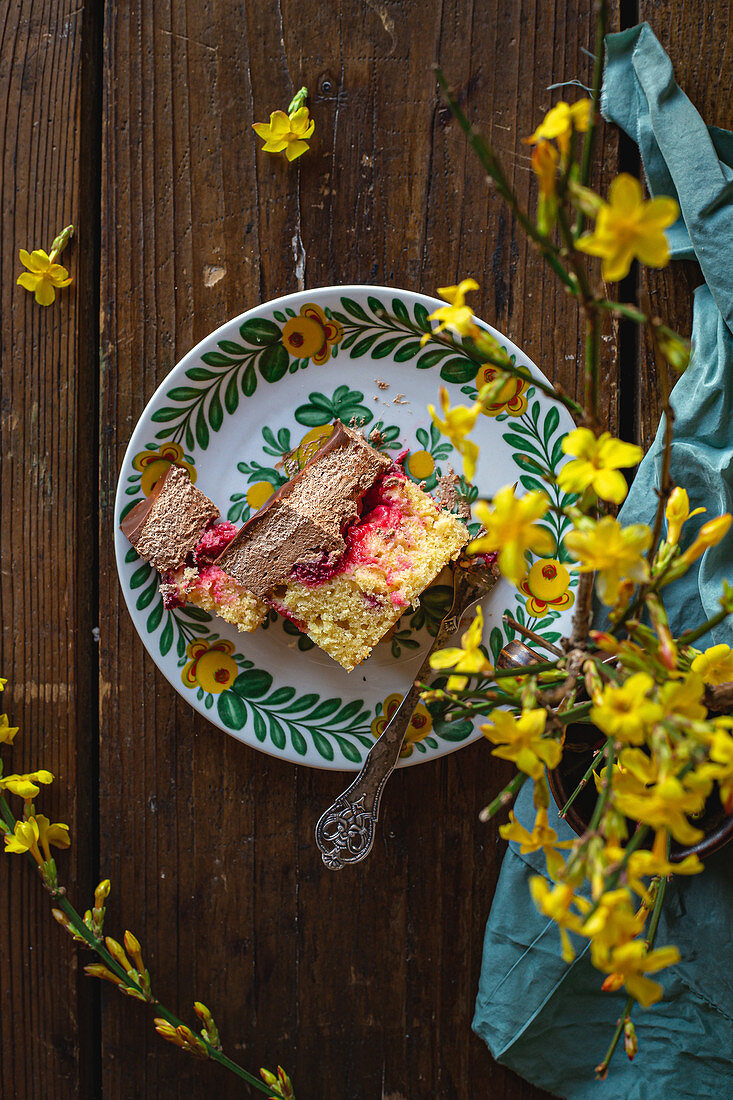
[547,585]
[210,666]
[420,724]
[311,335]
[421,464]
[258,493]
[154,464]
[310,443]
[512,397]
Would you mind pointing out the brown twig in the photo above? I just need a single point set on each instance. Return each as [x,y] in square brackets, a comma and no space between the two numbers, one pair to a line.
[532,635]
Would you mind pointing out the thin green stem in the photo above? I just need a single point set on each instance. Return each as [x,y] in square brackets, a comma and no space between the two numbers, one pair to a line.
[602,801]
[504,796]
[690,636]
[570,715]
[581,784]
[602,1069]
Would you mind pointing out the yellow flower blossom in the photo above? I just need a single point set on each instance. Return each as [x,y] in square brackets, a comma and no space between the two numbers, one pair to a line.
[468,658]
[456,316]
[49,834]
[612,922]
[664,806]
[456,424]
[542,837]
[677,513]
[3,682]
[643,864]
[24,839]
[715,665]
[710,534]
[285,133]
[613,551]
[26,786]
[7,732]
[625,712]
[556,903]
[560,121]
[521,739]
[544,165]
[628,964]
[683,698]
[596,464]
[511,529]
[43,277]
[628,228]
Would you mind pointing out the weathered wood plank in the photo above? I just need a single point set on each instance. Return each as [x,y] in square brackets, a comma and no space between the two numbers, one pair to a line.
[361,983]
[48,532]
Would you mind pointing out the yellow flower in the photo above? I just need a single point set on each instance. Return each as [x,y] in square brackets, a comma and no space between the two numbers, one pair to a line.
[511,529]
[597,464]
[613,551]
[456,316]
[542,837]
[24,839]
[710,534]
[556,903]
[521,739]
[544,165]
[664,806]
[559,123]
[511,397]
[625,712]
[154,464]
[628,964]
[3,682]
[43,276]
[613,922]
[25,785]
[643,864]
[311,335]
[7,732]
[210,666]
[547,585]
[468,659]
[419,726]
[629,228]
[49,834]
[456,424]
[677,513]
[715,665]
[286,133]
[682,698]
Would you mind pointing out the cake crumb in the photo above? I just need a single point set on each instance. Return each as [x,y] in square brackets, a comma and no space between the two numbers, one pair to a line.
[357,422]
[376,438]
[448,496]
[400,399]
[382,384]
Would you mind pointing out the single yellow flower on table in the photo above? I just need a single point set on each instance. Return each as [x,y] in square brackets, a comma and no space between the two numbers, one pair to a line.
[677,512]
[614,552]
[522,740]
[456,316]
[628,965]
[43,277]
[596,464]
[286,133]
[469,658]
[26,786]
[456,424]
[512,529]
[625,712]
[628,227]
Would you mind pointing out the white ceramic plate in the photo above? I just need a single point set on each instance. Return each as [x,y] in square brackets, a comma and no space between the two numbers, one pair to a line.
[262,385]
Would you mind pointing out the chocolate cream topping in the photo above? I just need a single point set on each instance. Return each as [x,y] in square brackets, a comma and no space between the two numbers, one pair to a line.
[304,520]
[165,527]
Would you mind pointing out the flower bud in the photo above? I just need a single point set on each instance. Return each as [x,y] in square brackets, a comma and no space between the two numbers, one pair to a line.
[710,534]
[102,893]
[631,1043]
[96,970]
[115,950]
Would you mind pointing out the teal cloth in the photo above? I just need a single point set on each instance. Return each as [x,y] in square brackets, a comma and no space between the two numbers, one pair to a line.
[548,1021]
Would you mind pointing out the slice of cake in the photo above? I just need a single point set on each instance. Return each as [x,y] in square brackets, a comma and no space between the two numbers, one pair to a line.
[175,530]
[344,547]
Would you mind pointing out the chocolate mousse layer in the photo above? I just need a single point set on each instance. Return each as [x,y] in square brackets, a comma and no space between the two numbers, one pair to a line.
[304,520]
[165,527]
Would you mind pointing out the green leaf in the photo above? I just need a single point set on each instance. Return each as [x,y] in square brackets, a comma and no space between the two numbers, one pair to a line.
[216,413]
[252,684]
[146,597]
[496,643]
[280,695]
[431,359]
[231,348]
[322,401]
[166,638]
[200,374]
[162,416]
[249,380]
[348,748]
[534,410]
[303,702]
[529,463]
[260,726]
[532,484]
[273,362]
[522,443]
[350,710]
[557,453]
[364,345]
[421,316]
[386,348]
[407,351]
[216,359]
[140,575]
[232,710]
[279,316]
[312,416]
[260,331]
[298,741]
[197,613]
[231,395]
[131,555]
[277,733]
[552,421]
[322,744]
[202,429]
[328,706]
[354,309]
[454,731]
[458,369]
[155,616]
[400,310]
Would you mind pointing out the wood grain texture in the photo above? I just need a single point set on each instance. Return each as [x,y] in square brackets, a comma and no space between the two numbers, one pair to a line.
[48,1044]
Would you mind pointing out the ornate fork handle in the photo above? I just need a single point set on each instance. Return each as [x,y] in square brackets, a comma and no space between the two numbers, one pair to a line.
[345,832]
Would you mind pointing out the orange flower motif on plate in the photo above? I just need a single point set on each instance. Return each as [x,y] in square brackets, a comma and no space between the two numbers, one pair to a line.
[547,585]
[512,398]
[210,666]
[311,335]
[153,464]
[420,724]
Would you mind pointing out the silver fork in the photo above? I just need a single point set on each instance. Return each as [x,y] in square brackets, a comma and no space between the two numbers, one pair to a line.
[345,832]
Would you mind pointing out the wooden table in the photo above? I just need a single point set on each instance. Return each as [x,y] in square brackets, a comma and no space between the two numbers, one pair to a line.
[132,120]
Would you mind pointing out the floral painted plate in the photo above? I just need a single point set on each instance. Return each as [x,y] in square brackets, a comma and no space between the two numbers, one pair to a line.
[270,382]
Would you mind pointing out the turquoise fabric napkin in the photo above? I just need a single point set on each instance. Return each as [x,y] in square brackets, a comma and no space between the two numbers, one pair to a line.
[549,1022]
